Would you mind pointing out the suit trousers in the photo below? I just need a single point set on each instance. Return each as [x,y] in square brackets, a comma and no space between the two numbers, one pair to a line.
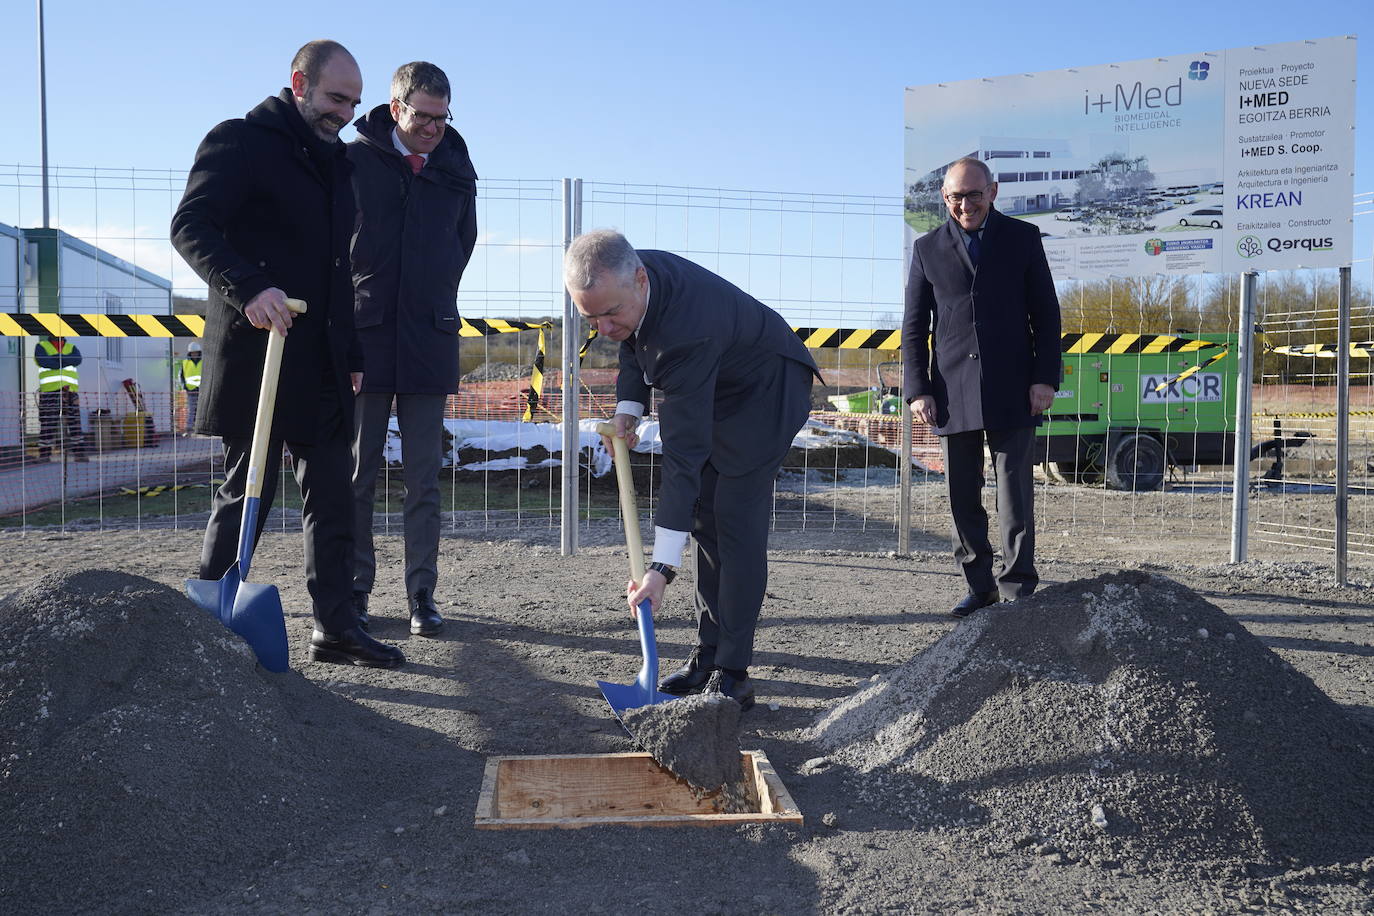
[420,418]
[322,470]
[1011,457]
[730,528]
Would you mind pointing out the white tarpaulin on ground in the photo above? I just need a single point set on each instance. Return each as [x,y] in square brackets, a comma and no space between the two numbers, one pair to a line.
[512,435]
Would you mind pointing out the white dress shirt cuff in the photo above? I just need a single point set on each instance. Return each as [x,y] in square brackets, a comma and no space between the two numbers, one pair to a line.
[633,408]
[669,545]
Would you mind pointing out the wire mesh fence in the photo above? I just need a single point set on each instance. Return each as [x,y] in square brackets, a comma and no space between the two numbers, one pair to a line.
[1158,353]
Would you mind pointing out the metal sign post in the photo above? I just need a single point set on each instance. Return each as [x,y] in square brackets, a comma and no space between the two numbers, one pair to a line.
[1343,427]
[1240,484]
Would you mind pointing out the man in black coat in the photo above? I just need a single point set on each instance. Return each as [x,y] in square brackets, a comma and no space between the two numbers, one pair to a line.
[734,385]
[981,290]
[267,213]
[417,195]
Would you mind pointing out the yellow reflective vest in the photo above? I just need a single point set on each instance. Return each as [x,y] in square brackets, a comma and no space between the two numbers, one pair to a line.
[190,374]
[57,379]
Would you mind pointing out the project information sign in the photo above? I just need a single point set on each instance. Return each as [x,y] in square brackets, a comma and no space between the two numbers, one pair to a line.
[1220,161]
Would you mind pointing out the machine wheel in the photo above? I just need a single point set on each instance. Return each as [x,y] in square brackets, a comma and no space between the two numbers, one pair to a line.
[1137,464]
[1075,472]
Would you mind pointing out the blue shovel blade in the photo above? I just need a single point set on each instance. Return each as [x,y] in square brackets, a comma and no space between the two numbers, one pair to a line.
[644,691]
[216,596]
[258,617]
[631,696]
[251,610]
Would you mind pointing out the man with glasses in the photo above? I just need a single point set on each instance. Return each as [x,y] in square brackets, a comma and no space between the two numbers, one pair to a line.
[980,346]
[267,213]
[417,191]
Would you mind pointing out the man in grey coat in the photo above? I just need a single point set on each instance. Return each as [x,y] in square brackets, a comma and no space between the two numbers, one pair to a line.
[980,289]
[417,195]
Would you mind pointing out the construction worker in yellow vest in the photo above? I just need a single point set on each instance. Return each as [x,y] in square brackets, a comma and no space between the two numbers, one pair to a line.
[59,406]
[190,382]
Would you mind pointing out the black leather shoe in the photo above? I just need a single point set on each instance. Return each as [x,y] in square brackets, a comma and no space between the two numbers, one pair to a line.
[693,675]
[424,616]
[354,647]
[974,602]
[360,609]
[737,686]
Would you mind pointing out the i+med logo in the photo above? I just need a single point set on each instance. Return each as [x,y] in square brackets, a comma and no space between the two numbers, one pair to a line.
[1197,70]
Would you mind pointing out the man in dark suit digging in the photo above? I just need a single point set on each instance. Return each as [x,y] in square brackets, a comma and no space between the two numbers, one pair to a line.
[980,346]
[734,384]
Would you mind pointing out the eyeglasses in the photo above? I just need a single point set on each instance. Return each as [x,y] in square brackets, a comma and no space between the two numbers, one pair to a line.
[424,120]
[972,197]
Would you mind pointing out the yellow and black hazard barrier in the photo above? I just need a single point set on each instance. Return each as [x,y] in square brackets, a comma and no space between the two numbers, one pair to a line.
[1094,342]
[849,338]
[1070,342]
[168,488]
[486,327]
[1191,371]
[1310,414]
[39,324]
[537,375]
[1359,349]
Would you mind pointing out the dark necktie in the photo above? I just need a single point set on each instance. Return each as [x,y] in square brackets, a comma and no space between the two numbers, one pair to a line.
[975,246]
[416,161]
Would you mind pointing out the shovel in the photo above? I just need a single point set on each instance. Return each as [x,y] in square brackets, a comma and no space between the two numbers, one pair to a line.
[644,691]
[251,610]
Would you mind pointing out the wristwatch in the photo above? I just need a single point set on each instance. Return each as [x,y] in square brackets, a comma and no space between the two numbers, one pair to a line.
[663,569]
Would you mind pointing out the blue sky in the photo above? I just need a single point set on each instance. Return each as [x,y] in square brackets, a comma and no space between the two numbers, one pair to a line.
[792,96]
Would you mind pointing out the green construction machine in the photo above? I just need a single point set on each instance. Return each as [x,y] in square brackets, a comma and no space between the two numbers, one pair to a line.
[1131,406]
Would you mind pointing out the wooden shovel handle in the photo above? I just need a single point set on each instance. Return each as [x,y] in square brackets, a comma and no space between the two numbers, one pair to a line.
[267,402]
[629,507]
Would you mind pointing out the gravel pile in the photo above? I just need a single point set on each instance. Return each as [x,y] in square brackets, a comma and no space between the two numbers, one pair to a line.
[139,742]
[498,372]
[1121,721]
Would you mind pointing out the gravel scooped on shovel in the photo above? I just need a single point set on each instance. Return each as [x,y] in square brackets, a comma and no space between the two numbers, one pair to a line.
[1121,721]
[697,739]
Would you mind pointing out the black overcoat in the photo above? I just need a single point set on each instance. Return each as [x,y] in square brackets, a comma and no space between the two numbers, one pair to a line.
[268,203]
[414,238]
[995,329]
[716,355]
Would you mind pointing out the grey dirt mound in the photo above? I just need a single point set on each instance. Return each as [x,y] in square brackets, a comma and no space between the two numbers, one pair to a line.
[138,738]
[1121,721]
[697,738]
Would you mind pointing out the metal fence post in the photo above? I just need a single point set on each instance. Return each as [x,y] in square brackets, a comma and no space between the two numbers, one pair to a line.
[1343,428]
[572,220]
[1240,484]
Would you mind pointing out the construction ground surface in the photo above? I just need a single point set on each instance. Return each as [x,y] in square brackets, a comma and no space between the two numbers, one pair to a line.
[1152,732]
